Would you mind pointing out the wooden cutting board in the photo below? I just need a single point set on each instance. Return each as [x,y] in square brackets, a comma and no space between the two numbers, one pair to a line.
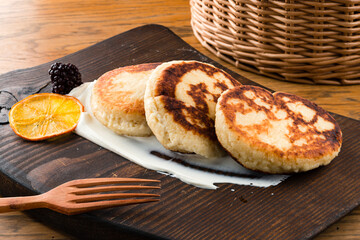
[298,208]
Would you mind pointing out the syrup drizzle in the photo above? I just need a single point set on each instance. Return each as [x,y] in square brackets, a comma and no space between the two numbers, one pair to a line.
[201,168]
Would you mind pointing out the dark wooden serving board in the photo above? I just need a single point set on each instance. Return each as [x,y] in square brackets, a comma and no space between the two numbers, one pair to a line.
[298,208]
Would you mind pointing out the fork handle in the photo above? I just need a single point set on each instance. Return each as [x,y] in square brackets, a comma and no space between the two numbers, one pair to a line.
[9,204]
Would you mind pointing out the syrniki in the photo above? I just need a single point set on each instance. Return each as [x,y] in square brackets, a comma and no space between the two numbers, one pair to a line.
[180,100]
[275,133]
[117,99]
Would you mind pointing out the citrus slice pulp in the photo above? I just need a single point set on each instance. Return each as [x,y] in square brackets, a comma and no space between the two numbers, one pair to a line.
[45,115]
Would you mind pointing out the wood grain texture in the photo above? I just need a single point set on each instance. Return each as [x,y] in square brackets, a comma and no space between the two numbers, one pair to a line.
[185,212]
[17,225]
[35,32]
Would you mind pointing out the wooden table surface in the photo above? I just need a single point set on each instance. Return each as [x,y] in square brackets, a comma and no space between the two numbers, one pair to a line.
[33,32]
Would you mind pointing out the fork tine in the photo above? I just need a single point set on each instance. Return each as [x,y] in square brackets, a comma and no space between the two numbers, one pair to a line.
[98,197]
[82,191]
[104,181]
[90,206]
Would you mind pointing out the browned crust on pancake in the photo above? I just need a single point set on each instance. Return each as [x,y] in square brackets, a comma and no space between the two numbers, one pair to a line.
[166,87]
[203,124]
[103,84]
[315,149]
[172,75]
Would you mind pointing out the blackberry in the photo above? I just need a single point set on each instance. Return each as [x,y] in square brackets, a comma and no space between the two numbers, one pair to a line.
[64,77]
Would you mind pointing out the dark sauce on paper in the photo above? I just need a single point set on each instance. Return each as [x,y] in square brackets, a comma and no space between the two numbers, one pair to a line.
[187,164]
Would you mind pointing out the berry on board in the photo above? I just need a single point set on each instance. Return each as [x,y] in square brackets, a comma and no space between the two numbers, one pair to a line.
[64,77]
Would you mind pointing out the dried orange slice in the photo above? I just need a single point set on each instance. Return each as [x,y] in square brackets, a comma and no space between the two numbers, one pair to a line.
[45,115]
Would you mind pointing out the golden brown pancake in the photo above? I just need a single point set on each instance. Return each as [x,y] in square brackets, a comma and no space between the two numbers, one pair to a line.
[117,99]
[180,100]
[275,133]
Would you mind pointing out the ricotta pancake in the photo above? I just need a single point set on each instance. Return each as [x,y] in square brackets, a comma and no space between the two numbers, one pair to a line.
[117,99]
[275,133]
[180,101]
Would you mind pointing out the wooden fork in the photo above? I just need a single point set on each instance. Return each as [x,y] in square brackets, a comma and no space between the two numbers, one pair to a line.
[83,195]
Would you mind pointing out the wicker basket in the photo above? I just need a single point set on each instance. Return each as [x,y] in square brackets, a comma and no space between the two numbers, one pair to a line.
[308,41]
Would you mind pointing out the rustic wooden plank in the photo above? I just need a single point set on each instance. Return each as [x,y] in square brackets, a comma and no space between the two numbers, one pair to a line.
[185,212]
[34,32]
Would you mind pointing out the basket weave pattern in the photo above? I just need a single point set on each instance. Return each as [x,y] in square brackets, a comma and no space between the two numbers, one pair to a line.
[308,41]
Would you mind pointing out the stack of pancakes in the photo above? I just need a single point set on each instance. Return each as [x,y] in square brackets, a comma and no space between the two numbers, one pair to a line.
[194,107]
